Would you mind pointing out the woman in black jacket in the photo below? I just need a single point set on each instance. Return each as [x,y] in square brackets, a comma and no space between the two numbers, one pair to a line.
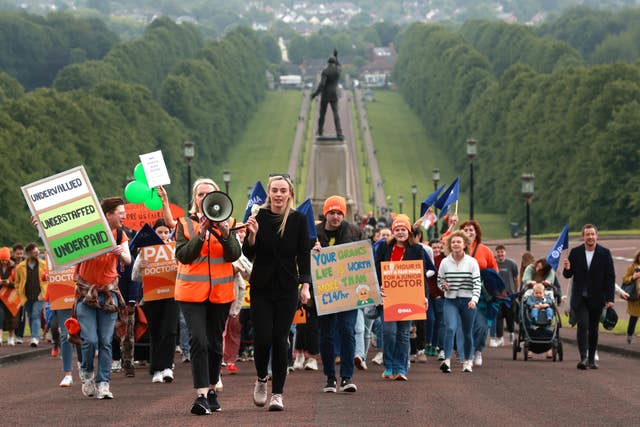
[278,243]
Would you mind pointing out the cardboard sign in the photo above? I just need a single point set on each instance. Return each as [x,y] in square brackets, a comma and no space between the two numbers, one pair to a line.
[139,215]
[11,300]
[155,169]
[344,277]
[71,222]
[159,277]
[403,287]
[62,288]
[300,318]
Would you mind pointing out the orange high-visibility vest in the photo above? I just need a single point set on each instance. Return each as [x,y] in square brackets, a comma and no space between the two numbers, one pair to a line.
[209,276]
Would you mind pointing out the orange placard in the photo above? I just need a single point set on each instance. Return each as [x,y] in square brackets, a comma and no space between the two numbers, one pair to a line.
[61,288]
[300,317]
[11,300]
[246,301]
[138,215]
[403,288]
[159,276]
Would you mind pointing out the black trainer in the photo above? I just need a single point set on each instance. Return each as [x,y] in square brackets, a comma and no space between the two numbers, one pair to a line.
[347,386]
[331,385]
[201,406]
[212,399]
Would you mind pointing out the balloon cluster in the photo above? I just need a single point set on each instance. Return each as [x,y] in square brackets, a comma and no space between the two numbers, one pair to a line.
[138,191]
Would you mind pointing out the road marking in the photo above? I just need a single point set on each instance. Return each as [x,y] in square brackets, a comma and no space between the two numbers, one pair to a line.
[624,249]
[621,258]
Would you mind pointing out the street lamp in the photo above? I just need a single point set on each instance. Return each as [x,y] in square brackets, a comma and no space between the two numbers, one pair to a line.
[472,152]
[435,175]
[400,202]
[189,154]
[527,192]
[226,177]
[414,191]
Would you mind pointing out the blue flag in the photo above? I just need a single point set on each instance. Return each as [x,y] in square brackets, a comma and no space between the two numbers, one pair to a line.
[553,257]
[258,197]
[448,197]
[307,210]
[430,200]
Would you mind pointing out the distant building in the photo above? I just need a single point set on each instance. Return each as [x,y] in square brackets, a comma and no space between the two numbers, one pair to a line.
[377,73]
[291,81]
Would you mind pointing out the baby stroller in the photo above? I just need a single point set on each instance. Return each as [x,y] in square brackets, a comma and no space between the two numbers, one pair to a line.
[537,336]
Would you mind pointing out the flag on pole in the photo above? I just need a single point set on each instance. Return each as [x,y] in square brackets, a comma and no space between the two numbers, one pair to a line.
[449,196]
[306,209]
[430,200]
[553,257]
[258,197]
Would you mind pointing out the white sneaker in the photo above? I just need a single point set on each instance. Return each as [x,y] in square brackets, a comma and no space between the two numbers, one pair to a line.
[67,381]
[276,403]
[178,349]
[298,364]
[34,342]
[595,356]
[167,376]
[500,342]
[157,377]
[378,358]
[103,391]
[260,392]
[18,340]
[219,386]
[11,341]
[467,366]
[493,342]
[477,359]
[311,365]
[89,385]
[441,355]
[116,366]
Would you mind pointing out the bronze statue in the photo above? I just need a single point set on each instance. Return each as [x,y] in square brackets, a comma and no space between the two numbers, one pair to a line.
[328,89]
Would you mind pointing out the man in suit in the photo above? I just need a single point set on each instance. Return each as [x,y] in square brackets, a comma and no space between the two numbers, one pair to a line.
[328,89]
[591,267]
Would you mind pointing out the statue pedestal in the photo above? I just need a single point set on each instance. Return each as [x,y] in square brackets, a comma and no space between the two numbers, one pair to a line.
[329,175]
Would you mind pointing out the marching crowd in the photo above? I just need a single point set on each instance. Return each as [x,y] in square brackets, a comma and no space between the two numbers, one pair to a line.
[208,323]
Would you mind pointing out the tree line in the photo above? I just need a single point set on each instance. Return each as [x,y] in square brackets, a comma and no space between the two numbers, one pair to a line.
[535,105]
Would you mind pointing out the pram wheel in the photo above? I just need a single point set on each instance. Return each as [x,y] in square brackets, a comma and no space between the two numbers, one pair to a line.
[525,351]
[560,350]
[554,352]
[516,348]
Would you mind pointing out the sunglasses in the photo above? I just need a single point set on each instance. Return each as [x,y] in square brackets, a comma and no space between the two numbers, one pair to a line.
[280,175]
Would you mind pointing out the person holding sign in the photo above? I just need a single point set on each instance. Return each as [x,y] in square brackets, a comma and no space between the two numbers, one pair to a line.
[334,230]
[401,247]
[459,278]
[278,244]
[204,287]
[31,284]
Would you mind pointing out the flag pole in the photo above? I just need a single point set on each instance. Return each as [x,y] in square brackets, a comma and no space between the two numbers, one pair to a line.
[456,208]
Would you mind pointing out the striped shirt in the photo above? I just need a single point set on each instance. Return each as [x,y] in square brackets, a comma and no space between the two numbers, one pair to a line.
[462,277]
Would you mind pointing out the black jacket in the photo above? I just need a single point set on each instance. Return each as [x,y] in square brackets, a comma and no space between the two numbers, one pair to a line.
[598,281]
[347,233]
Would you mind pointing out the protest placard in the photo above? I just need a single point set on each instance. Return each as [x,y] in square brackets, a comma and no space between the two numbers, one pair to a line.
[155,169]
[10,298]
[403,288]
[246,301]
[71,221]
[138,215]
[344,277]
[159,276]
[62,288]
[300,318]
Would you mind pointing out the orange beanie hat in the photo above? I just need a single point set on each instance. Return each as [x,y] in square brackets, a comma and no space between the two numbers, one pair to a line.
[335,203]
[5,254]
[401,220]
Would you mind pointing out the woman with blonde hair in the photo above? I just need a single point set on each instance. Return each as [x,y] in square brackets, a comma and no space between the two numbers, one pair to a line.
[631,275]
[278,243]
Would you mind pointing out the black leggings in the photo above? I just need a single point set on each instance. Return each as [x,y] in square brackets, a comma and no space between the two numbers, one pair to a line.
[272,317]
[588,320]
[162,316]
[206,322]
[507,314]
[631,329]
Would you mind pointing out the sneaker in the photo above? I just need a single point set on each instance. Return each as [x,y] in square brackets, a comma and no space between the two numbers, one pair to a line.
[445,367]
[219,386]
[500,342]
[298,364]
[55,350]
[186,357]
[167,376]
[629,339]
[493,342]
[378,358]
[103,391]
[200,406]
[421,357]
[387,374]
[67,381]
[11,341]
[467,366]
[212,399]
[116,366]
[477,358]
[290,370]
[34,342]
[260,392]
[347,386]
[157,377]
[19,340]
[89,385]
[311,364]
[431,351]
[441,355]
[413,358]
[360,363]
[81,374]
[232,369]
[178,349]
[596,358]
[129,369]
[276,402]
[401,377]
[331,386]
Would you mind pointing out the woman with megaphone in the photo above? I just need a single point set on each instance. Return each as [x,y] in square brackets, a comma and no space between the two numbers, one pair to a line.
[205,250]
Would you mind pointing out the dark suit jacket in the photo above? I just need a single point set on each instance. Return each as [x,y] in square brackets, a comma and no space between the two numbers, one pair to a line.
[329,79]
[598,281]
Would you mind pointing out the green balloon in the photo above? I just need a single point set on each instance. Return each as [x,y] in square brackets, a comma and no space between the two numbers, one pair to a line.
[137,192]
[154,203]
[139,174]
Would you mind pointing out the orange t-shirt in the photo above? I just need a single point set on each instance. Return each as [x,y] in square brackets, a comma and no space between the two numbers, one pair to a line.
[101,270]
[484,256]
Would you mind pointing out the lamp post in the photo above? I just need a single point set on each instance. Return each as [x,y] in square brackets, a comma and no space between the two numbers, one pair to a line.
[527,192]
[472,152]
[435,175]
[189,154]
[400,202]
[226,177]
[414,191]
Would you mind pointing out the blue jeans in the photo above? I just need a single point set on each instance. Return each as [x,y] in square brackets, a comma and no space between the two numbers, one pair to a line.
[376,328]
[454,310]
[66,348]
[33,310]
[363,334]
[431,331]
[96,331]
[535,311]
[341,326]
[480,331]
[396,346]
[439,330]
